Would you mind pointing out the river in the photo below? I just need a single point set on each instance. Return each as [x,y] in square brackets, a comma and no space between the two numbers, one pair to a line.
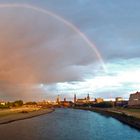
[68,124]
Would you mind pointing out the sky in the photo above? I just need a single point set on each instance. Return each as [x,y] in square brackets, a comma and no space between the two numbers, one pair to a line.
[52,47]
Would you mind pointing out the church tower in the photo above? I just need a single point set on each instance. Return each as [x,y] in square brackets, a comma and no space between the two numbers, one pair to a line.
[88,98]
[58,99]
[74,98]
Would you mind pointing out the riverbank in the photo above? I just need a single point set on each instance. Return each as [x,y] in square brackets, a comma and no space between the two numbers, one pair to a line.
[21,114]
[129,119]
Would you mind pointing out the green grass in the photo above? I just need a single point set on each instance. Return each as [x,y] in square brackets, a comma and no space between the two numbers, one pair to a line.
[129,111]
[3,114]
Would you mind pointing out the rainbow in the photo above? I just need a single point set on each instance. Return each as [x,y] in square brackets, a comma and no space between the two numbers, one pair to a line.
[70,25]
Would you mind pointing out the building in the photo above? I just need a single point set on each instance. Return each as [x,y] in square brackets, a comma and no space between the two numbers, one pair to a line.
[66,103]
[99,100]
[2,103]
[83,100]
[120,102]
[64,99]
[75,98]
[134,100]
[58,99]
[88,98]
[118,99]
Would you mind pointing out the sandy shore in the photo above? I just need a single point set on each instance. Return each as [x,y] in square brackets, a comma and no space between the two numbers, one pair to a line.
[11,117]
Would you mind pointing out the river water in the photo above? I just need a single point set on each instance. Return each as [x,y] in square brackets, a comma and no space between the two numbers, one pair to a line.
[68,124]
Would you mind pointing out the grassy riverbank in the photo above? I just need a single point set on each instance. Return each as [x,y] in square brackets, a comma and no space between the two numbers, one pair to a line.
[128,116]
[129,111]
[14,114]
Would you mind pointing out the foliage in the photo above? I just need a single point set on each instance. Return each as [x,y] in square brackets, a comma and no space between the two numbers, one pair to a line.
[4,106]
[103,105]
[7,105]
[18,103]
[31,103]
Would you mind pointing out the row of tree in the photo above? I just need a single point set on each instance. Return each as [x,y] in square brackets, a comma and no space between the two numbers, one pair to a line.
[17,103]
[104,104]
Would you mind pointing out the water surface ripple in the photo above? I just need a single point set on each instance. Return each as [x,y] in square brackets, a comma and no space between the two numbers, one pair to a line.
[68,124]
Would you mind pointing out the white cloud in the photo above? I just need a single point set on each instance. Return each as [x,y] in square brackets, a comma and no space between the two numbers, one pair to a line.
[121,79]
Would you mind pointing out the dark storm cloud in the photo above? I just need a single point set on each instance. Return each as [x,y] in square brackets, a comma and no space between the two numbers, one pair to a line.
[112,25]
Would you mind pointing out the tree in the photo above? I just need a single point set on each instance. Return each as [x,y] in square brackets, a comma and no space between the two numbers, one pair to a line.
[103,105]
[18,103]
[31,103]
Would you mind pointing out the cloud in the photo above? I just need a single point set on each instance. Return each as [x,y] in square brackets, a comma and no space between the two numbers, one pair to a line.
[112,26]
[36,48]
[120,80]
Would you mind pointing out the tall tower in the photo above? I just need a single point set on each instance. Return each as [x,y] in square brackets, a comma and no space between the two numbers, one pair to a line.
[88,98]
[64,99]
[58,99]
[74,98]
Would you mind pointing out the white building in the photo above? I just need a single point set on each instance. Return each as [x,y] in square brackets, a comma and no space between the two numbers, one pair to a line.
[2,103]
[118,99]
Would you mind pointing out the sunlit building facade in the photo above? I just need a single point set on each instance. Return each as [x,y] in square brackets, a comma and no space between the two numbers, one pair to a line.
[99,100]
[83,100]
[134,100]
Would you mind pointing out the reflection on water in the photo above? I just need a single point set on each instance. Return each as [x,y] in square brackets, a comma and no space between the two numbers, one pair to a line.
[68,124]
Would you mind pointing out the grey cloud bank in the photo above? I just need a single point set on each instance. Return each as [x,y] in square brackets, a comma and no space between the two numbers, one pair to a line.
[36,48]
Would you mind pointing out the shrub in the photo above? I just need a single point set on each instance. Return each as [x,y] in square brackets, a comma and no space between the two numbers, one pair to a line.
[103,105]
